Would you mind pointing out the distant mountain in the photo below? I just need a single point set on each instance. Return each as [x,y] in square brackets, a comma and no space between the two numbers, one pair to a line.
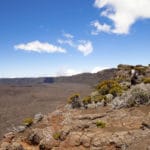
[86,78]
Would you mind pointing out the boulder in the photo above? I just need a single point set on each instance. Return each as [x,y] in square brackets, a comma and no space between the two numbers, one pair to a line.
[48,144]
[74,139]
[20,128]
[38,117]
[33,139]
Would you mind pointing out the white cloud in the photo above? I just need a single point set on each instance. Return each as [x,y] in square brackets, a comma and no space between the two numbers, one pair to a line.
[68,42]
[68,35]
[98,68]
[37,46]
[123,13]
[100,27]
[85,47]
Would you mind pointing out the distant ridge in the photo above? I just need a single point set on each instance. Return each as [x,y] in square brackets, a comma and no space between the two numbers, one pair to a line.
[86,78]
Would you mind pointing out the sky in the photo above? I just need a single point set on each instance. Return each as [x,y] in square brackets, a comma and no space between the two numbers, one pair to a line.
[66,37]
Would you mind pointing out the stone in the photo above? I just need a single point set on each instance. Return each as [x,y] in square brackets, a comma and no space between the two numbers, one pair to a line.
[16,146]
[20,129]
[74,138]
[64,132]
[34,139]
[38,117]
[86,141]
[48,144]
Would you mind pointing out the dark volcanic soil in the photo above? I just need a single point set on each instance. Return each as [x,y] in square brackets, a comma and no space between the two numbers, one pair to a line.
[19,102]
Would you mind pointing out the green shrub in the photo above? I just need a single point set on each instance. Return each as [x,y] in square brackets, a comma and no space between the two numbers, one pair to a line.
[109,87]
[116,91]
[98,98]
[146,80]
[86,100]
[28,121]
[100,124]
[73,97]
[57,135]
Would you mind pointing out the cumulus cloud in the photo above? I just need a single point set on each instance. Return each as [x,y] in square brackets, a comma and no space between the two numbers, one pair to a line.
[37,46]
[123,13]
[85,47]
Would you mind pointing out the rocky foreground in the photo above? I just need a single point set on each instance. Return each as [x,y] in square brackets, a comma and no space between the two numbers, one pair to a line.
[76,129]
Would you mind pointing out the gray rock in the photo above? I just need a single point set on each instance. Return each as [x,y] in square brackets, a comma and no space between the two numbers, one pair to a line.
[38,117]
[20,128]
[34,139]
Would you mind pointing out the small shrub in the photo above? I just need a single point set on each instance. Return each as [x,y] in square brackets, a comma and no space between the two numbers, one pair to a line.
[100,124]
[57,135]
[28,121]
[73,97]
[98,98]
[146,80]
[116,91]
[75,101]
[109,87]
[86,100]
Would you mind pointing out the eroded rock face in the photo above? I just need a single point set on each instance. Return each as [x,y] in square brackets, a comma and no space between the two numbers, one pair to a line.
[76,129]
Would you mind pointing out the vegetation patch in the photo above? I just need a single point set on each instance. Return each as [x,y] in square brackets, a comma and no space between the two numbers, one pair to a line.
[28,121]
[146,80]
[74,97]
[100,124]
[57,135]
[86,100]
[109,87]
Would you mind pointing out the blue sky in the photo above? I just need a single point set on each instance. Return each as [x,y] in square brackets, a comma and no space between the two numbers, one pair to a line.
[65,37]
